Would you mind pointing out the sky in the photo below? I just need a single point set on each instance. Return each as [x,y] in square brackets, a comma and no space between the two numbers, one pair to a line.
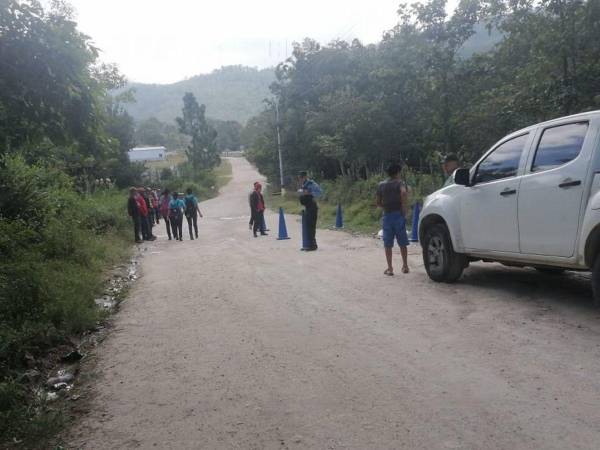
[163,41]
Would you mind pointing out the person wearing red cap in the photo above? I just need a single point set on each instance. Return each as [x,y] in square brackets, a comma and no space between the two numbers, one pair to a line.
[257,206]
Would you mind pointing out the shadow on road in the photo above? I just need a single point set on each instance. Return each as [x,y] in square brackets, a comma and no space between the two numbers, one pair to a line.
[569,288]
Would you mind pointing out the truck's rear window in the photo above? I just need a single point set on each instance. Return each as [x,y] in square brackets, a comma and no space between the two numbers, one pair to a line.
[559,145]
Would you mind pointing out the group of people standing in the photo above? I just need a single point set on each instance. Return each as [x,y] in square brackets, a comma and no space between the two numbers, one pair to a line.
[309,192]
[146,207]
[142,207]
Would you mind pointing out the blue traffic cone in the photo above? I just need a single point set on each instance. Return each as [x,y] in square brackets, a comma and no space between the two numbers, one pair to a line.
[282,228]
[339,218]
[415,222]
[263,225]
[305,242]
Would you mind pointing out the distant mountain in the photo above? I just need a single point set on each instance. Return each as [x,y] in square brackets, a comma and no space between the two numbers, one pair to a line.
[236,92]
[230,93]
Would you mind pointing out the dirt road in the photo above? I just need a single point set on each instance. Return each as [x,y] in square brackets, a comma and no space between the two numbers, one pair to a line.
[236,342]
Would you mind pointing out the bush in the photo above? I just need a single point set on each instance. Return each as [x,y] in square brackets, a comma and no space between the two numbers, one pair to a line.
[54,245]
[203,183]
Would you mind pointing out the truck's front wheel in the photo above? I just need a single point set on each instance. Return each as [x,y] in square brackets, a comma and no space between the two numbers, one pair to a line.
[442,263]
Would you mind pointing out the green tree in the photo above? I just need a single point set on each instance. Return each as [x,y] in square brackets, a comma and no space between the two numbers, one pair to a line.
[154,132]
[55,106]
[228,134]
[150,132]
[428,88]
[47,90]
[202,152]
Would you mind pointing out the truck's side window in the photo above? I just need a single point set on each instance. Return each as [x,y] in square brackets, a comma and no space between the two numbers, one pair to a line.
[559,145]
[503,162]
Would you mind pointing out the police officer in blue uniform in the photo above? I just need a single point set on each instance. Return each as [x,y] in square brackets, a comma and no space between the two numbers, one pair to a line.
[309,192]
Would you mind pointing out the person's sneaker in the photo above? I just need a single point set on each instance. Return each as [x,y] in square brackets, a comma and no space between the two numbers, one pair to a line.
[152,238]
[264,234]
[196,236]
[169,237]
[139,241]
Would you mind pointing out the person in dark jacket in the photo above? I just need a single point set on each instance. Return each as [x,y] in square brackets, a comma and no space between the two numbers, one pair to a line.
[257,206]
[309,192]
[134,213]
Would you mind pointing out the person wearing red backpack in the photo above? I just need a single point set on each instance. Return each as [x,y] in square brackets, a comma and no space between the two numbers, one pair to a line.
[143,208]
[257,206]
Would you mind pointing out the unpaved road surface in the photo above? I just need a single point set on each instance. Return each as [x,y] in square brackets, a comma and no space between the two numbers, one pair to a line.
[235,342]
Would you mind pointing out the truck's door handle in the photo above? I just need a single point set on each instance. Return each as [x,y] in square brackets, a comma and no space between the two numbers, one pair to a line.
[568,183]
[507,192]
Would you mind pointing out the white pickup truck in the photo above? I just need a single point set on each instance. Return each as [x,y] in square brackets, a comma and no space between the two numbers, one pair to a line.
[532,200]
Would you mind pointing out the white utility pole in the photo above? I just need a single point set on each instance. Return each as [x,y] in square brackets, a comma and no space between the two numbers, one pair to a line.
[279,146]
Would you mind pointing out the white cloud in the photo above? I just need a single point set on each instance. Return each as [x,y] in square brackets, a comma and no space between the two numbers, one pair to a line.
[164,41]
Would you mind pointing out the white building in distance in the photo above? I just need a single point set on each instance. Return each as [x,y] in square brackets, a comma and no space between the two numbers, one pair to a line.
[143,154]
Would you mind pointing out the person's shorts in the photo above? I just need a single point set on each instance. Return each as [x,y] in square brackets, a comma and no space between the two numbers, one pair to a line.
[394,227]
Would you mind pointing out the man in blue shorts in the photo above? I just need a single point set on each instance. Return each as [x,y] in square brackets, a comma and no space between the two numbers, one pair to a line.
[393,198]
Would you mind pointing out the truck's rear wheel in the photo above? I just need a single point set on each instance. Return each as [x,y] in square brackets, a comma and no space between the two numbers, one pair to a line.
[442,263]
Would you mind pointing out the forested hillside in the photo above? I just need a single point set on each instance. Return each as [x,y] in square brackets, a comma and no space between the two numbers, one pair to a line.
[230,93]
[428,89]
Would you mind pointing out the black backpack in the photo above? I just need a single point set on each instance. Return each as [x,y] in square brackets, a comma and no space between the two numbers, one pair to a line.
[190,207]
[174,213]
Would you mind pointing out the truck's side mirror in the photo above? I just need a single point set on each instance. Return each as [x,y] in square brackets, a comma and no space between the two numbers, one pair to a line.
[462,177]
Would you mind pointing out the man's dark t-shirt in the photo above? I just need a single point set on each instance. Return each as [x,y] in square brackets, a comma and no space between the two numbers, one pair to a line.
[389,192]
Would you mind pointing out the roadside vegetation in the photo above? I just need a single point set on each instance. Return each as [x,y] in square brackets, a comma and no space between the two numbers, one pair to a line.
[56,245]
